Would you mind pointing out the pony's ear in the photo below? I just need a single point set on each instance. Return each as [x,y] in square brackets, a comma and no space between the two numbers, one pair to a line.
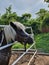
[13,26]
[11,23]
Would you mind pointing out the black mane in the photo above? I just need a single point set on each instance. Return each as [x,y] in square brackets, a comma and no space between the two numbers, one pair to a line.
[1,31]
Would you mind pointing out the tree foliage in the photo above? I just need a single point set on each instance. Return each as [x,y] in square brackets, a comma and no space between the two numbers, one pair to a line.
[46,1]
[8,16]
[41,14]
[40,21]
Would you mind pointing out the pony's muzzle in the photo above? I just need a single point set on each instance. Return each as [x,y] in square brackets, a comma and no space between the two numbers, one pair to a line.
[29,40]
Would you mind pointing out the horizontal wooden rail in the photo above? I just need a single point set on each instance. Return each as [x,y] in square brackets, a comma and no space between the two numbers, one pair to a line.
[31,51]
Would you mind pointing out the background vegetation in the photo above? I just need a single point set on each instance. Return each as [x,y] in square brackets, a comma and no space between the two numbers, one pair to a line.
[37,24]
[40,25]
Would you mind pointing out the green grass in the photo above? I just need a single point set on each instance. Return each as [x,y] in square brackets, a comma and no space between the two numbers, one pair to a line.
[42,42]
[19,46]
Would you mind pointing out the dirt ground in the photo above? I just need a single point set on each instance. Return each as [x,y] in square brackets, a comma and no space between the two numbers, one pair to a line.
[39,60]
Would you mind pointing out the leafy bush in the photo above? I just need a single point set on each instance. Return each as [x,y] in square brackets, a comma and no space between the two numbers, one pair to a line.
[46,22]
[36,27]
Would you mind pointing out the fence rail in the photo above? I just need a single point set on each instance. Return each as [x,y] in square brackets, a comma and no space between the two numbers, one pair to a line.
[23,54]
[2,26]
[8,45]
[31,51]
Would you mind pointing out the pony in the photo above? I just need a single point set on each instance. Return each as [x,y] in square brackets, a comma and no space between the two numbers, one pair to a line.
[15,31]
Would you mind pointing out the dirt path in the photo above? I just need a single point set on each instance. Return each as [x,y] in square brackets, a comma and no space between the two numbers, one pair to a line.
[39,60]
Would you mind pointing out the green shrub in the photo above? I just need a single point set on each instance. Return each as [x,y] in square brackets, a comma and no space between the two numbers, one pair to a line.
[45,22]
[36,27]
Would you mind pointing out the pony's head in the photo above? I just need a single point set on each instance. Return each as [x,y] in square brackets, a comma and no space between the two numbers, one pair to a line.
[21,34]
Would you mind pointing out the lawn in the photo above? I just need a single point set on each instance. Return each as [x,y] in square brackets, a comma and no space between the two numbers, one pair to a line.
[42,42]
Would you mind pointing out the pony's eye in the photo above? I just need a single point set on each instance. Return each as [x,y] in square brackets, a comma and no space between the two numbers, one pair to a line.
[20,30]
